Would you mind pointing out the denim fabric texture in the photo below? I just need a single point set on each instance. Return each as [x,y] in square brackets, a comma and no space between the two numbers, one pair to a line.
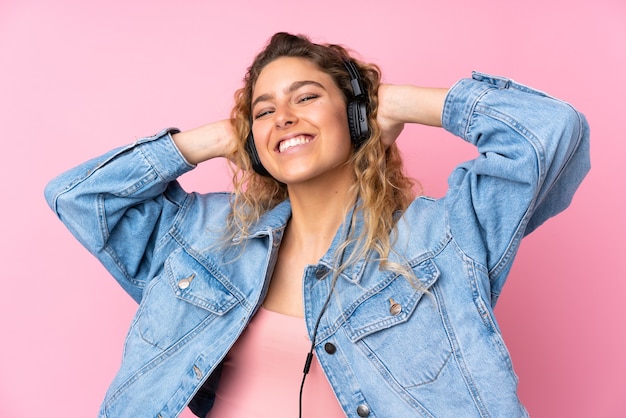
[437,354]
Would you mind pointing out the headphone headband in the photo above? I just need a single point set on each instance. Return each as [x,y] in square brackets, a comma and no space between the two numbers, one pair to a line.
[355,79]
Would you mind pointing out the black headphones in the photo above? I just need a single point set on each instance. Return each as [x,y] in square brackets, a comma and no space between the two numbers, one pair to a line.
[357,119]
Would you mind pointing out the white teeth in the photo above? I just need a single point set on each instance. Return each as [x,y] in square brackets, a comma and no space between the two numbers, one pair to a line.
[292,142]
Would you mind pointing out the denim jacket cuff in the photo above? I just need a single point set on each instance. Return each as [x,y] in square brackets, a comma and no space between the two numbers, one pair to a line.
[462,99]
[163,155]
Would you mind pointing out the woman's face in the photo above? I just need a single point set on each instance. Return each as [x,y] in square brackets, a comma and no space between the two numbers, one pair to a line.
[299,122]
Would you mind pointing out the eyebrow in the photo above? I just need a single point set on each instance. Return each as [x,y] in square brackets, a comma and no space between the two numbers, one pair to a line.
[293,87]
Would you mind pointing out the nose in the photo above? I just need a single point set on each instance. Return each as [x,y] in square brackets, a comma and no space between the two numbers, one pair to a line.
[284,117]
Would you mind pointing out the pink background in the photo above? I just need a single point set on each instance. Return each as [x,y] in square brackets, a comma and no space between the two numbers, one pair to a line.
[80,77]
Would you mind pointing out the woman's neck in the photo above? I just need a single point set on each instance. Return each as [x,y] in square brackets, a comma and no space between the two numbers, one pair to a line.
[318,210]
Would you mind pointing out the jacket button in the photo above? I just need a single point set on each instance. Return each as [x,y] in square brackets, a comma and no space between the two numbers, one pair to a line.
[363,410]
[321,272]
[184,283]
[330,348]
[394,307]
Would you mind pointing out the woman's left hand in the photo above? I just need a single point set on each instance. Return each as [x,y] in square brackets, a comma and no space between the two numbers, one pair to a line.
[389,125]
[400,104]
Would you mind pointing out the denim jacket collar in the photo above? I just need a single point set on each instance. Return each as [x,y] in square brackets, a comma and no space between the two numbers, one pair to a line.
[352,225]
[276,219]
[270,222]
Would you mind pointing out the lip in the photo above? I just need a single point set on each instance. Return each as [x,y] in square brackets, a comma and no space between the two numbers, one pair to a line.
[291,136]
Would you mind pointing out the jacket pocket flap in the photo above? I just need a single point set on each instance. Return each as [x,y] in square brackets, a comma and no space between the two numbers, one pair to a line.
[391,302]
[198,284]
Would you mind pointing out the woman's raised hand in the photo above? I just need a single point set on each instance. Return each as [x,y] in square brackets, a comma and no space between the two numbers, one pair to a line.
[217,139]
[391,126]
[400,104]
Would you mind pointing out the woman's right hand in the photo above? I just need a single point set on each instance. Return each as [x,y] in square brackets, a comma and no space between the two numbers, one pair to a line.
[217,139]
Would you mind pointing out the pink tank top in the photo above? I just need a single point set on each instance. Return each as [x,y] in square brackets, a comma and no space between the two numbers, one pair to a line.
[263,371]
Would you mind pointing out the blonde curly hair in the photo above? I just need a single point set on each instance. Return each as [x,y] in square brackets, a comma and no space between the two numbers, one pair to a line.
[381,189]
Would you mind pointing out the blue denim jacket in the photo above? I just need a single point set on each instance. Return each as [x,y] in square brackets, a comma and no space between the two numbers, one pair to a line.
[437,354]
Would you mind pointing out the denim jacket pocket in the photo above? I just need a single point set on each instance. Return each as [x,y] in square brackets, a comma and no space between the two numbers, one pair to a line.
[182,301]
[390,302]
[199,284]
[400,329]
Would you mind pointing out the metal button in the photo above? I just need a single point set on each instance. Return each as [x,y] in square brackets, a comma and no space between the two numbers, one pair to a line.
[330,348]
[184,283]
[321,272]
[394,307]
[363,410]
[197,372]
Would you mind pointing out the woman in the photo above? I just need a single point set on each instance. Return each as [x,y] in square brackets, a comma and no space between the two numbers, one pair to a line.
[324,248]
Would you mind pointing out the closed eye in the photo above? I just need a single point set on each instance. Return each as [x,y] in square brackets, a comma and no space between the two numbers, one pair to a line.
[306,98]
[300,99]
[262,113]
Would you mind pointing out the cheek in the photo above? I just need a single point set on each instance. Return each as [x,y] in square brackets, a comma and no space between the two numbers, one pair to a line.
[340,123]
[260,134]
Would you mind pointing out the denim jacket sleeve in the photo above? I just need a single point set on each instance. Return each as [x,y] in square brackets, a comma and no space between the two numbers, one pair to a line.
[127,192]
[533,153]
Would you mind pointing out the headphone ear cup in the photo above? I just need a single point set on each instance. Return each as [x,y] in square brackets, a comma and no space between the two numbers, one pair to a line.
[357,122]
[354,134]
[254,157]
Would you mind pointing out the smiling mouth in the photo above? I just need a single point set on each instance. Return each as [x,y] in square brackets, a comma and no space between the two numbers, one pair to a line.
[292,142]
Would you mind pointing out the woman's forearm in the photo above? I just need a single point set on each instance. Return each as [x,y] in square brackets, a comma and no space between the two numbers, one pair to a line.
[400,104]
[205,142]
[413,104]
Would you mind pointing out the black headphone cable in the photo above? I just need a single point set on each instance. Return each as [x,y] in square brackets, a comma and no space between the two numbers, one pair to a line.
[309,356]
